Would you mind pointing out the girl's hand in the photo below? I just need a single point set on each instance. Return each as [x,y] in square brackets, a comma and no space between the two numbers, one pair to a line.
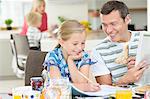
[75,56]
[92,87]
[88,87]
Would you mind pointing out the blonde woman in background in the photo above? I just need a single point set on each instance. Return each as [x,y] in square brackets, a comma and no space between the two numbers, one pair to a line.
[39,7]
[68,59]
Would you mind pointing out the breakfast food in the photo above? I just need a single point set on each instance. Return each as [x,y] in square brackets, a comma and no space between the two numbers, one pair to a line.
[53,92]
[143,89]
[122,59]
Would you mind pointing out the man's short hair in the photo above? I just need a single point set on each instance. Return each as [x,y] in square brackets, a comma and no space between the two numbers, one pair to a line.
[114,5]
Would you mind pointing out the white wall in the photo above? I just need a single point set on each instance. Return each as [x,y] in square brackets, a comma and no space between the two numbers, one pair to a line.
[132,4]
[77,10]
[139,18]
[137,10]
[148,13]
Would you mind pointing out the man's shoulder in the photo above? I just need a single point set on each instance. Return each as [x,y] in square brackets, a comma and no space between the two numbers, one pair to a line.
[135,33]
[104,42]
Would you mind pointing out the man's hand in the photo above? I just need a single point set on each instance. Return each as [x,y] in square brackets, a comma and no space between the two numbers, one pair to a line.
[134,73]
[93,87]
[131,62]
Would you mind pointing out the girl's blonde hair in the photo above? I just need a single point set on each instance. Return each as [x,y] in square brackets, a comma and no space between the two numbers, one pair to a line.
[36,4]
[33,18]
[68,28]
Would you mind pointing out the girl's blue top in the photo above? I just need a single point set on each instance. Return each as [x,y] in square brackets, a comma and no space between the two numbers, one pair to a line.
[56,58]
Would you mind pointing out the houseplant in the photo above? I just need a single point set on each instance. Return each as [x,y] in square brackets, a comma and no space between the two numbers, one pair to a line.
[61,19]
[8,23]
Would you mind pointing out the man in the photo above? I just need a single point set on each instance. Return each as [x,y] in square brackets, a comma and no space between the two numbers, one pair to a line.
[115,18]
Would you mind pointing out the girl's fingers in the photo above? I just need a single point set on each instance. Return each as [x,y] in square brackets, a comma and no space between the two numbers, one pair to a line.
[95,86]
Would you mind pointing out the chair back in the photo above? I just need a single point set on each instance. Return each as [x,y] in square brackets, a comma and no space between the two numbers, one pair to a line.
[21,44]
[34,65]
[20,50]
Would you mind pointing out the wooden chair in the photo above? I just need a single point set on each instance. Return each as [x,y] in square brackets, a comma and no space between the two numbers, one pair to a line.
[34,65]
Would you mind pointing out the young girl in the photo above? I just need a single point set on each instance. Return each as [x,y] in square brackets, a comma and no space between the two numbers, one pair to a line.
[38,6]
[69,58]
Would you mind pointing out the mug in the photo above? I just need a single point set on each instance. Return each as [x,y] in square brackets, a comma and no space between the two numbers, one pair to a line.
[123,94]
[36,83]
[59,88]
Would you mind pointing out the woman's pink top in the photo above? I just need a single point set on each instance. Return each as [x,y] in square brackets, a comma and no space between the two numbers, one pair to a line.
[42,28]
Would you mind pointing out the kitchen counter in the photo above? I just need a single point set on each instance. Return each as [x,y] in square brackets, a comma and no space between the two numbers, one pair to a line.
[5,34]
[6,53]
[99,34]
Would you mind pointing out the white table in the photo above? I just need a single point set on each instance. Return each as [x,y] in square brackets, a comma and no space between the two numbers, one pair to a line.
[5,96]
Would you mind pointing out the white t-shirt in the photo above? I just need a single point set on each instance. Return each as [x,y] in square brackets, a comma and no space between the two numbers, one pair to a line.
[106,52]
[34,36]
[97,71]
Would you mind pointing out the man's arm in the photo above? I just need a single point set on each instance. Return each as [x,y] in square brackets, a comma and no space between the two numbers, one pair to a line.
[104,79]
[100,70]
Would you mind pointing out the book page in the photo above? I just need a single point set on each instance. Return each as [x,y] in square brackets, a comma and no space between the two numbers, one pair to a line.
[104,91]
[143,53]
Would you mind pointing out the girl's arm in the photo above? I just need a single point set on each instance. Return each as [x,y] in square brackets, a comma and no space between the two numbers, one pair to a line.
[54,72]
[75,76]
[78,80]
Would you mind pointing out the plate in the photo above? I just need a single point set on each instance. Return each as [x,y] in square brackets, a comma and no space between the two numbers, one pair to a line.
[142,89]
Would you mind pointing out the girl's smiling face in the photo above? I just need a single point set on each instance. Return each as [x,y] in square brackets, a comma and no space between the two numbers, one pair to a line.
[75,44]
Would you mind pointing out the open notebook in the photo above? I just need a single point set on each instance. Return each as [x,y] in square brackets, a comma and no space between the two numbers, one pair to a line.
[105,90]
[143,53]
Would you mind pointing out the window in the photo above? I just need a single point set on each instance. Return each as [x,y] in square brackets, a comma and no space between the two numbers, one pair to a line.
[14,9]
